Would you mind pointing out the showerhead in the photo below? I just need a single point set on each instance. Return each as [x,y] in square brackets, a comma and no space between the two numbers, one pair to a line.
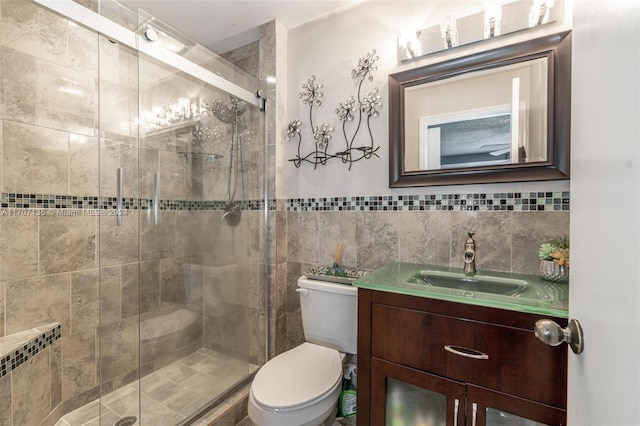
[227,112]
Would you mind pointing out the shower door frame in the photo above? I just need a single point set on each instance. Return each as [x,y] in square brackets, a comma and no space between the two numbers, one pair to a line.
[113,31]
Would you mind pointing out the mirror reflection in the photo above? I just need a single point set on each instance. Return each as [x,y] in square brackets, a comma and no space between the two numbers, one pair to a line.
[500,115]
[484,118]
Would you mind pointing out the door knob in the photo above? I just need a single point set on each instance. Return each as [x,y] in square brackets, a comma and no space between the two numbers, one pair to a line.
[550,333]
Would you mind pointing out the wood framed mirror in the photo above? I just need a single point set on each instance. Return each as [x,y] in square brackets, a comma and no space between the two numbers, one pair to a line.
[503,115]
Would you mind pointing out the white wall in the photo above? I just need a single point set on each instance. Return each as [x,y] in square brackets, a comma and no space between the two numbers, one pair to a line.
[330,48]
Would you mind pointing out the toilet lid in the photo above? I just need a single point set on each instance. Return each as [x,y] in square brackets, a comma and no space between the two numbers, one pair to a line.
[297,376]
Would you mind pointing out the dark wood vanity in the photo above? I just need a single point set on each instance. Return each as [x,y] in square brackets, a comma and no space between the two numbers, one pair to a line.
[476,361]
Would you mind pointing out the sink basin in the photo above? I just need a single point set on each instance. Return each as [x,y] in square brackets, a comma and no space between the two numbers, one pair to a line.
[470,284]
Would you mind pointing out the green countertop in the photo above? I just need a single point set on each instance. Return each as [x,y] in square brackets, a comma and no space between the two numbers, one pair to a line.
[540,296]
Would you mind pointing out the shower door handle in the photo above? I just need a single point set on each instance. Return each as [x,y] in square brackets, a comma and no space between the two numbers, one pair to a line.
[156,196]
[119,196]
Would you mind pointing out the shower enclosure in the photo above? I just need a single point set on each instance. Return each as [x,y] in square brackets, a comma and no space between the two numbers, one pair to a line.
[133,219]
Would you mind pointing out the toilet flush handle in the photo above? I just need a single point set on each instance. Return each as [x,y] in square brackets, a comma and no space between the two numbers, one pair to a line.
[303,291]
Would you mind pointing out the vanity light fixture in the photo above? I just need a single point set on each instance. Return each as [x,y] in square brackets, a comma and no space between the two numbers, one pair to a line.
[492,18]
[539,13]
[410,41]
[172,113]
[496,19]
[449,32]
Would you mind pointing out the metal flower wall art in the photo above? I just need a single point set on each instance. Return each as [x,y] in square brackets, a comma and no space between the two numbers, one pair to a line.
[355,111]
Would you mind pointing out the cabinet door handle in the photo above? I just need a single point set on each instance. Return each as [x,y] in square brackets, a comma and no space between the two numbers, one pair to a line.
[475,414]
[119,196]
[465,352]
[456,405]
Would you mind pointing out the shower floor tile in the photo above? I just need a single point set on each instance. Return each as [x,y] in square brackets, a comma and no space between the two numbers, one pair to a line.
[168,395]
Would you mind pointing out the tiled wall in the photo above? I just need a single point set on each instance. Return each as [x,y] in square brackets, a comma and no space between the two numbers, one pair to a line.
[68,99]
[376,234]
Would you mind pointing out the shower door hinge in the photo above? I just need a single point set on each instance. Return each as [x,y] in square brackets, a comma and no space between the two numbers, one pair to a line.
[263,100]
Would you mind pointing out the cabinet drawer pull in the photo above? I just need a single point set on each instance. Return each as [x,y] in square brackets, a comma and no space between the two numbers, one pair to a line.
[475,414]
[468,353]
[456,405]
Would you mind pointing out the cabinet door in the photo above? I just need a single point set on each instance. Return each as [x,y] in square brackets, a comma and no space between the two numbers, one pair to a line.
[490,408]
[402,396]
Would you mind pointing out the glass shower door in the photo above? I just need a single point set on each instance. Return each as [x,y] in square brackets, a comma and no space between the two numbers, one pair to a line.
[200,167]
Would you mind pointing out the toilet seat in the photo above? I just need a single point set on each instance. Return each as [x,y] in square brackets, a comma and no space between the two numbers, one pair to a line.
[297,378]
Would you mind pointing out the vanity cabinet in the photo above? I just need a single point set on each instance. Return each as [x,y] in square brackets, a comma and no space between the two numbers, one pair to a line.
[449,363]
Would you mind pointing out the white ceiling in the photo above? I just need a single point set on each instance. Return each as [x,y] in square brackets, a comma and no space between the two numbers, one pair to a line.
[222,25]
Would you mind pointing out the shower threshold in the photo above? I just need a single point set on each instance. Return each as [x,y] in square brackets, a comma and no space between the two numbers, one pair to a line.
[169,395]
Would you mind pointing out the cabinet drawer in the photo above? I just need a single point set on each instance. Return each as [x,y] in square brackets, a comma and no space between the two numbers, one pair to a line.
[497,357]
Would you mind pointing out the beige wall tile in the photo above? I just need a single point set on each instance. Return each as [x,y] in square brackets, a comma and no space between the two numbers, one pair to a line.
[18,246]
[424,237]
[79,363]
[174,288]
[28,28]
[119,244]
[66,99]
[85,302]
[31,390]
[189,237]
[35,160]
[174,176]
[46,299]
[158,241]
[118,348]
[109,163]
[83,165]
[118,64]
[56,373]
[117,120]
[149,285]
[82,49]
[377,237]
[110,296]
[2,285]
[5,400]
[67,243]
[302,236]
[335,227]
[17,86]
[129,289]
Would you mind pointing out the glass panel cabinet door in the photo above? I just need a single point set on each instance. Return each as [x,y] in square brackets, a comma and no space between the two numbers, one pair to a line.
[402,396]
[499,409]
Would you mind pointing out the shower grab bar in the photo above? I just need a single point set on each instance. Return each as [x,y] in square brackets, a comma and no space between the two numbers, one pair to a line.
[156,196]
[119,196]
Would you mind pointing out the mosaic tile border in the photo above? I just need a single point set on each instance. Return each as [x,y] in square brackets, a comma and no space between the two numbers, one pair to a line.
[39,201]
[20,355]
[503,201]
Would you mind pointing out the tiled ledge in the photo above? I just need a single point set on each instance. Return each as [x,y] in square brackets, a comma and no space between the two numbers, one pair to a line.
[17,348]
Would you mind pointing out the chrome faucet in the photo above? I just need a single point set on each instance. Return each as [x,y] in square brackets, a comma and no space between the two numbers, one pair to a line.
[470,255]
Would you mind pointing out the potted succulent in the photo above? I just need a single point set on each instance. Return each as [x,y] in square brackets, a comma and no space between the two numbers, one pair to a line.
[554,259]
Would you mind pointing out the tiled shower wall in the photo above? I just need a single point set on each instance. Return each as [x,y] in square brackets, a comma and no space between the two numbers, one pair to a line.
[67,102]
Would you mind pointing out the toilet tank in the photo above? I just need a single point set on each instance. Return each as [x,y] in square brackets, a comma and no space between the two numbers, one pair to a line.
[329,314]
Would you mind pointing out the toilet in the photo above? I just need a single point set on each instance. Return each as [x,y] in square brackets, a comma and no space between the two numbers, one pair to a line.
[301,387]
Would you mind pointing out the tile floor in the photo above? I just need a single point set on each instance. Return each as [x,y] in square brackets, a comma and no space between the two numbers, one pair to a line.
[168,395]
